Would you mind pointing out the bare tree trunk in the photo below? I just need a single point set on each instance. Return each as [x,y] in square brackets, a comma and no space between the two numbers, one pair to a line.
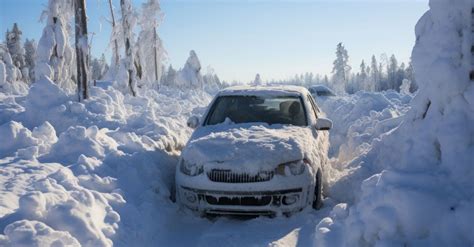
[82,48]
[126,9]
[116,54]
[471,73]
[156,53]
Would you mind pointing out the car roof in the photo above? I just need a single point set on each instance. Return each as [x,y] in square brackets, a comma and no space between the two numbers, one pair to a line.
[283,90]
[320,87]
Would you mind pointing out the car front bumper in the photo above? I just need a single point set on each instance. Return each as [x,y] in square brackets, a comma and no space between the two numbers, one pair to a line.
[267,198]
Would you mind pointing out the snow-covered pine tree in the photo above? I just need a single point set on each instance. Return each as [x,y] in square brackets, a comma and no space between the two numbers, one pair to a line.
[128,23]
[82,49]
[30,57]
[54,54]
[341,69]
[169,78]
[410,75]
[99,68]
[149,45]
[392,74]
[190,76]
[12,73]
[362,79]
[257,81]
[211,81]
[17,53]
[374,74]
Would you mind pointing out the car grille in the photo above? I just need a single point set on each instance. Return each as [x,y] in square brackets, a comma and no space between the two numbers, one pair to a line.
[227,176]
[239,201]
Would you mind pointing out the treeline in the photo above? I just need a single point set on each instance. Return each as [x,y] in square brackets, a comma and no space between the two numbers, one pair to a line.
[378,75]
[138,57]
[63,53]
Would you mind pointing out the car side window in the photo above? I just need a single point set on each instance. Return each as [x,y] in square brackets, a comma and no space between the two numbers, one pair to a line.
[314,106]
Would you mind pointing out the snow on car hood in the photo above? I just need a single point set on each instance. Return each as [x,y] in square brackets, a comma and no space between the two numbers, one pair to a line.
[251,147]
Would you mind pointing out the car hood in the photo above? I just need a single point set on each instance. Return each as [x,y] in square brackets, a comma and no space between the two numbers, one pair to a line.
[250,147]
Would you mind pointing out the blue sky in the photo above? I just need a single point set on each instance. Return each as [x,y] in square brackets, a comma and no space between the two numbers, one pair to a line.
[241,38]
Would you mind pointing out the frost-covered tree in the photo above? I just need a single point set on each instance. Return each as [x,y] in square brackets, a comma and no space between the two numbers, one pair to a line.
[405,87]
[11,73]
[169,78]
[13,40]
[257,81]
[392,74]
[211,81]
[30,57]
[128,23]
[54,54]
[362,79]
[341,69]
[190,76]
[99,68]
[374,73]
[149,45]
[410,75]
[114,40]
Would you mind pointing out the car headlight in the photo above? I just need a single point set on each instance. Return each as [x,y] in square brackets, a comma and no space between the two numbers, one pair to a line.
[190,169]
[291,168]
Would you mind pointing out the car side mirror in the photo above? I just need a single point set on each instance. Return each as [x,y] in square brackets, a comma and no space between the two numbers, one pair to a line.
[193,122]
[323,124]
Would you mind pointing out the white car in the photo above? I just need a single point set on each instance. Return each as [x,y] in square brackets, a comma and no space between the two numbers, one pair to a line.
[256,151]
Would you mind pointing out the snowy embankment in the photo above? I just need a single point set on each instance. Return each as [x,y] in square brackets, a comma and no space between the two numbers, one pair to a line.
[87,172]
[414,187]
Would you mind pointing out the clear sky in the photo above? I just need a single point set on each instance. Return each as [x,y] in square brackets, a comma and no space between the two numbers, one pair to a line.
[239,38]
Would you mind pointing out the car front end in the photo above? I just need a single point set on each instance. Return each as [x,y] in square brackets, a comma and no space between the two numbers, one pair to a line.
[213,190]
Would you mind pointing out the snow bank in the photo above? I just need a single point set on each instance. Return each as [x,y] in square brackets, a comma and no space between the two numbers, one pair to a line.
[34,233]
[415,183]
[360,118]
[84,173]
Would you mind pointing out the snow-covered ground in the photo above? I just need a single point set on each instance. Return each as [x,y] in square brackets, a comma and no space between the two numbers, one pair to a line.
[100,172]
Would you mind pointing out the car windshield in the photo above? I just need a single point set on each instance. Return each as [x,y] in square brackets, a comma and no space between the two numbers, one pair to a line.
[249,109]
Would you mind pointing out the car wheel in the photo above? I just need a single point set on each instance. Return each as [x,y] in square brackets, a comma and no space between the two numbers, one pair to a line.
[318,191]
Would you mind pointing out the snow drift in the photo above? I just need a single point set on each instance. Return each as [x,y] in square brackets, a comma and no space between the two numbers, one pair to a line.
[73,173]
[417,179]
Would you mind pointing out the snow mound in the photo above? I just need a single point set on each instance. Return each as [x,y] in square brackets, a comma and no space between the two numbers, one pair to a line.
[17,138]
[415,183]
[77,141]
[34,233]
[84,173]
[360,118]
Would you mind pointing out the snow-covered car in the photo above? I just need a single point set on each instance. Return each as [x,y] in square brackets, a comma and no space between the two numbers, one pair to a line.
[256,151]
[321,91]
